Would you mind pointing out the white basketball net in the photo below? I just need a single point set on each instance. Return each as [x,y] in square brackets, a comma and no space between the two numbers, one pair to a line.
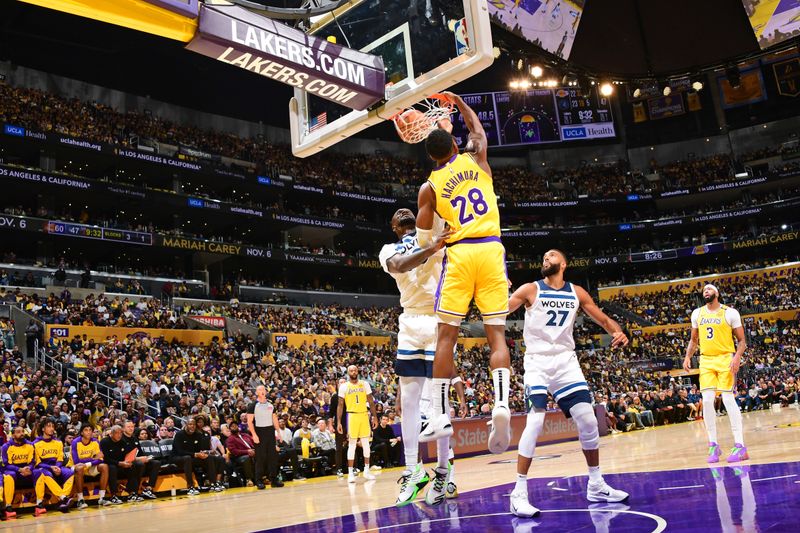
[433,110]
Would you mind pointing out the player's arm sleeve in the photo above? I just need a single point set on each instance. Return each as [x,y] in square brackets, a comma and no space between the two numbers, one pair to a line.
[74,451]
[367,387]
[733,318]
[695,318]
[8,467]
[342,390]
[387,252]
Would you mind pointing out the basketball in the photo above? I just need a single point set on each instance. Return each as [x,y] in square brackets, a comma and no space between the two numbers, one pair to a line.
[406,122]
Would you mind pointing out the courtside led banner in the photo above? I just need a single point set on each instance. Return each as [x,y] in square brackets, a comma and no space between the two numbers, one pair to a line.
[263,46]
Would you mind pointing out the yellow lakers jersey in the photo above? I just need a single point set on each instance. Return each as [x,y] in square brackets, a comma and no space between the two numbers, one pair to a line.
[355,396]
[84,452]
[49,452]
[19,455]
[716,335]
[465,199]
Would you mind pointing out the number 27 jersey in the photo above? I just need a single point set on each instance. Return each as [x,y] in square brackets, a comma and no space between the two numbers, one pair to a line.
[549,322]
[465,198]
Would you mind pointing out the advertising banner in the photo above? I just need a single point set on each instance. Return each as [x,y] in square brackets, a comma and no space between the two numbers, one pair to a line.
[241,38]
[213,321]
[65,332]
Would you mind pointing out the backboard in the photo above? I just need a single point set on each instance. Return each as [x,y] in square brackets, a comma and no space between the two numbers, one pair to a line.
[426,46]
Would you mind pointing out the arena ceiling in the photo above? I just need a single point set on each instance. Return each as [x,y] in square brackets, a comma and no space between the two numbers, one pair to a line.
[626,38]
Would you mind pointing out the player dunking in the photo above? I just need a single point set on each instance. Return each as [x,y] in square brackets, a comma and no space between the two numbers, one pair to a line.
[416,271]
[713,327]
[551,365]
[460,190]
[357,396]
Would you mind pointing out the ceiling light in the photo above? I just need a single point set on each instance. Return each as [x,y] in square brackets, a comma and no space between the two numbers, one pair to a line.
[606,89]
[537,71]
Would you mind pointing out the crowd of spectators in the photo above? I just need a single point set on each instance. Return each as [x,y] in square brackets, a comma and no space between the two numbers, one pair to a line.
[96,310]
[43,111]
[751,294]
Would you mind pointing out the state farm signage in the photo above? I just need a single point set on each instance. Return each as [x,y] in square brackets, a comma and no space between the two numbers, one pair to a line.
[243,39]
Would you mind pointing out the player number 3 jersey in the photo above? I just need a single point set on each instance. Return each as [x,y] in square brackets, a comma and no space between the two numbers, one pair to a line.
[715,329]
[465,199]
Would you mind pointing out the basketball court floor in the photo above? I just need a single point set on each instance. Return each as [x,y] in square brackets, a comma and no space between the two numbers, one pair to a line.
[664,470]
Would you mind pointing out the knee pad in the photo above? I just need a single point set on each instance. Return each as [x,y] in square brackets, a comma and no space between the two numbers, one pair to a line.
[351,450]
[533,428]
[583,414]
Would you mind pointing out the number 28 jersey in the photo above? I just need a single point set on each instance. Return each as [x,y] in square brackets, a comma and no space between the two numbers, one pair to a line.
[465,198]
[549,321]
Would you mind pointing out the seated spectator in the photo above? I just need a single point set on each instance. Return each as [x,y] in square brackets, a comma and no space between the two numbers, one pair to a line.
[324,442]
[242,451]
[191,449]
[150,467]
[384,443]
[114,455]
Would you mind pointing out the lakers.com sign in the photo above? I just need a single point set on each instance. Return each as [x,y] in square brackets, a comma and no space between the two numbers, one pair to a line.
[263,46]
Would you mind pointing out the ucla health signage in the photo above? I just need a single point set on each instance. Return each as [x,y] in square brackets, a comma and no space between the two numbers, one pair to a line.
[263,46]
[588,131]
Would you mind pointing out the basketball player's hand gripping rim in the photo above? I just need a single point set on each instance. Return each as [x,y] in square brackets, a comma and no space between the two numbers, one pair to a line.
[619,339]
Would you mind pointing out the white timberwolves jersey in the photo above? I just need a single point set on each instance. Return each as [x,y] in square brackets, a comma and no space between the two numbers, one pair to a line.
[418,286]
[549,321]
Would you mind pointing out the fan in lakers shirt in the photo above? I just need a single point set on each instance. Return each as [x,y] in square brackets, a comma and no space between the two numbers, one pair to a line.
[713,328]
[50,462]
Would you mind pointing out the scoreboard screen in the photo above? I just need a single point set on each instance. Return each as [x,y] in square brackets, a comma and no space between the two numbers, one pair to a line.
[483,105]
[538,116]
[83,231]
[527,117]
[583,116]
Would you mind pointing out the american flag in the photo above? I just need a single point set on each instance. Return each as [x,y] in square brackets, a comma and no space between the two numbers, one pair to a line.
[318,121]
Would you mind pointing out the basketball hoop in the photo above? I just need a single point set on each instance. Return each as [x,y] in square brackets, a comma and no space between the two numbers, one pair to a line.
[414,125]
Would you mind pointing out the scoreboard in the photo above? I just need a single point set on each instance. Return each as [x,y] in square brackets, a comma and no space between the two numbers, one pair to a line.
[57,227]
[538,116]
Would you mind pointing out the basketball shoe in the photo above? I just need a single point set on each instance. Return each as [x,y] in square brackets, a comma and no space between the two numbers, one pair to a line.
[520,506]
[436,493]
[439,426]
[602,492]
[713,453]
[411,482]
[500,436]
[738,453]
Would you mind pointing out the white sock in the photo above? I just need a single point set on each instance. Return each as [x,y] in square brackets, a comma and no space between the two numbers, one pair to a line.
[440,392]
[735,416]
[501,379]
[101,493]
[442,449]
[351,470]
[452,478]
[522,483]
[366,468]
[595,476]
[710,415]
